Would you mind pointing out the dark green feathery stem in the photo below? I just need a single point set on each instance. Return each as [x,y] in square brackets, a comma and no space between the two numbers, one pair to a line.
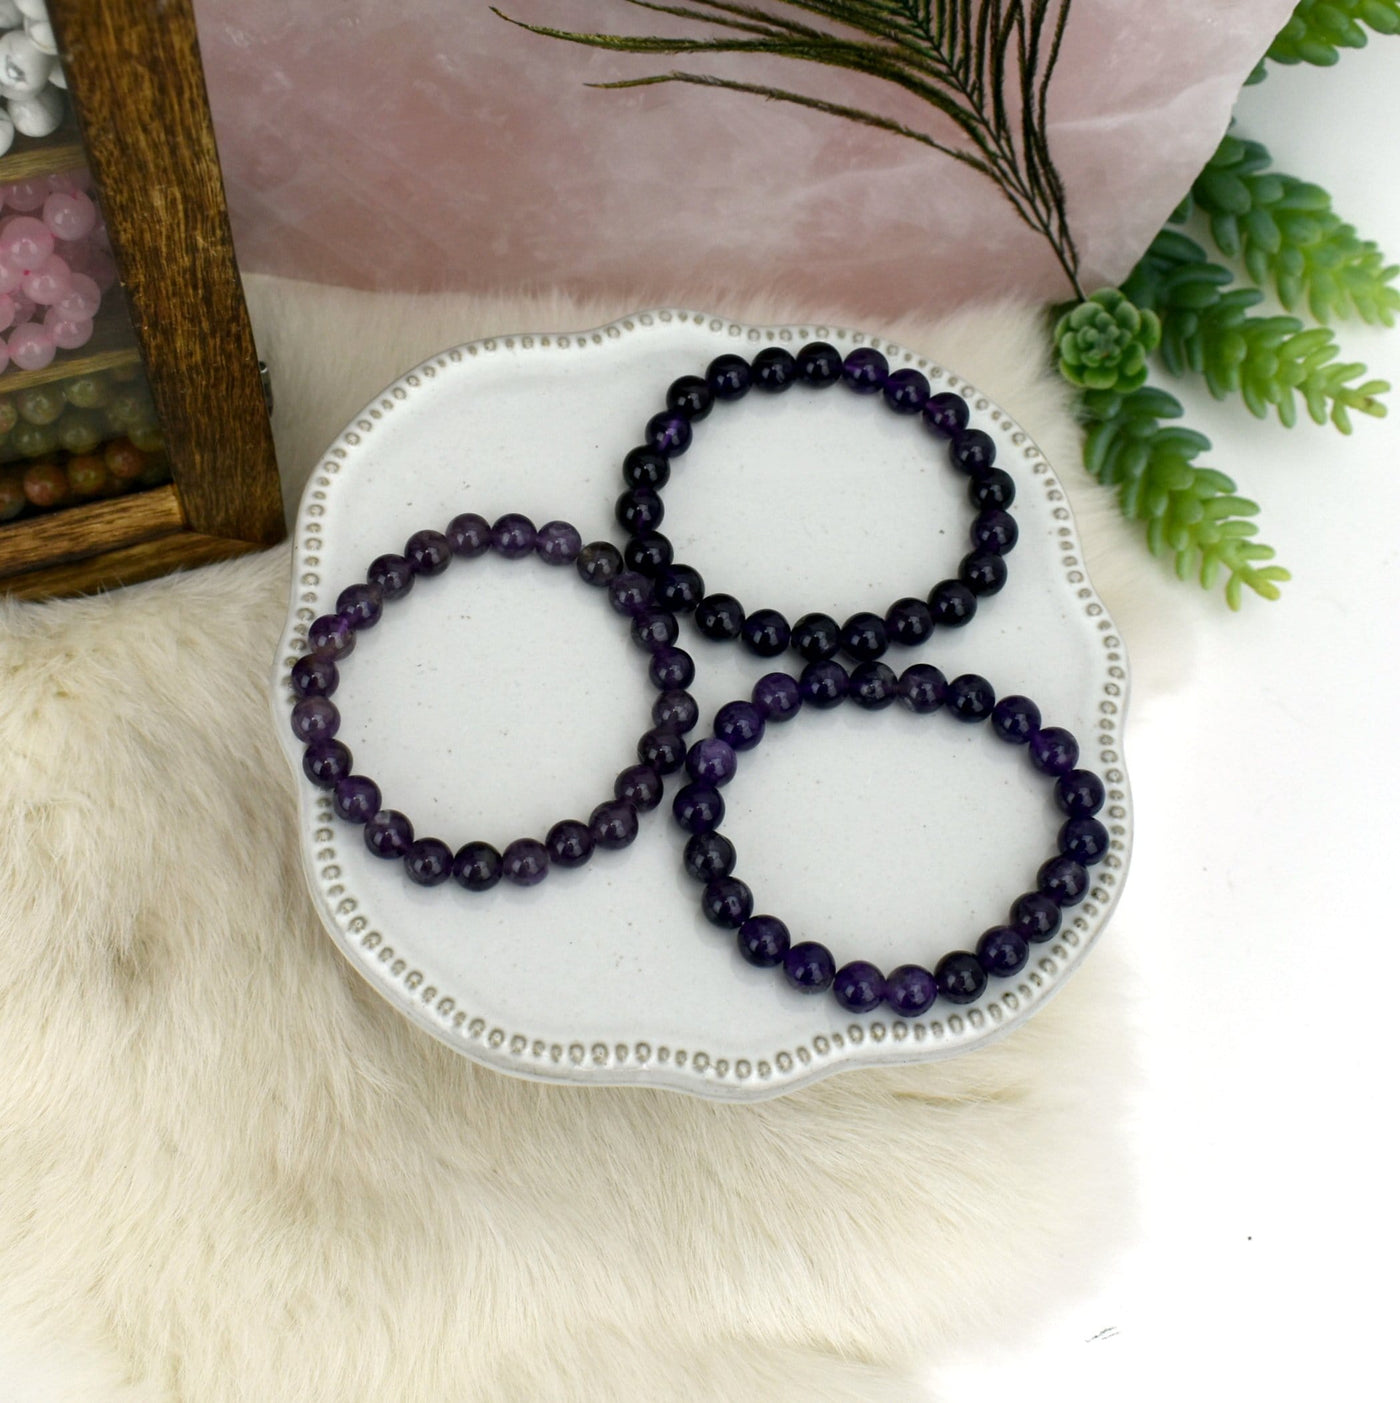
[984,65]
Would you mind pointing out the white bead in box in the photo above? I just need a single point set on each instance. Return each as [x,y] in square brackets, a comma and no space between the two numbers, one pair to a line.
[502,696]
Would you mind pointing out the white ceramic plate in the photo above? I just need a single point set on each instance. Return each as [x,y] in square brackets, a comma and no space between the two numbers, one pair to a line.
[502,696]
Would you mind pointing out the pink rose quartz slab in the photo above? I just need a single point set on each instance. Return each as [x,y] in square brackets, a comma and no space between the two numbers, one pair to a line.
[429,145]
[503,695]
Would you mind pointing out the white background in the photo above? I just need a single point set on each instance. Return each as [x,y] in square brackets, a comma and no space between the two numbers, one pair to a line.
[1260,918]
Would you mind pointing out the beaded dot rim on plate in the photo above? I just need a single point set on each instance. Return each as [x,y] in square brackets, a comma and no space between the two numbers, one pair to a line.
[858,985]
[477,865]
[610,1029]
[865,636]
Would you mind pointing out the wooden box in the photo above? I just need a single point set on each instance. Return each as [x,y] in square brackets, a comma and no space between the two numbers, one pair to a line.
[193,478]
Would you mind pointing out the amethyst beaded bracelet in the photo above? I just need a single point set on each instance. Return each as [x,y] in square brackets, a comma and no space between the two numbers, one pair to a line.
[864,636]
[477,865]
[959,977]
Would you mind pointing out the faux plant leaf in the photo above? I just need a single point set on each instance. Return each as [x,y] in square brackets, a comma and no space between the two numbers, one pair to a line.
[1270,362]
[1319,28]
[1289,235]
[1189,512]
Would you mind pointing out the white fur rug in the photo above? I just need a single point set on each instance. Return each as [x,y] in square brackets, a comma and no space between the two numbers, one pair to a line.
[228,1172]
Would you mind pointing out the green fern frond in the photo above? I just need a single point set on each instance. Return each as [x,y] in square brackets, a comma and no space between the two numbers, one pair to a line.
[1271,362]
[1190,514]
[1319,28]
[1288,234]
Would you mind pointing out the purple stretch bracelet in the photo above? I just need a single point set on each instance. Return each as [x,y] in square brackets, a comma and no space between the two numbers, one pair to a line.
[478,865]
[864,636]
[960,976]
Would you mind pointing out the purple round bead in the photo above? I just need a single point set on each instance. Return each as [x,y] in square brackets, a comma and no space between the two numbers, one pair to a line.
[1080,793]
[865,370]
[315,718]
[661,748]
[469,535]
[765,633]
[654,628]
[809,967]
[1002,951]
[906,390]
[645,467]
[740,723]
[864,637]
[816,637]
[525,862]
[774,370]
[1035,916]
[388,833]
[719,617]
[819,364]
[642,787]
[824,684]
[428,862]
[729,377]
[356,798]
[675,711]
[951,603]
[392,575]
[639,510]
[763,941]
[679,588]
[726,902]
[360,605]
[691,396]
[629,593]
[922,688]
[873,686]
[973,451]
[859,986]
[326,762]
[613,824]
[477,866]
[712,761]
[1053,751]
[599,563]
[558,543]
[994,531]
[698,808]
[1084,839]
[648,554]
[1016,719]
[709,855]
[777,697]
[429,551]
[331,635]
[946,414]
[513,536]
[569,843]
[1062,879]
[668,433]
[671,669]
[908,622]
[960,977]
[982,572]
[315,675]
[970,697]
[910,990]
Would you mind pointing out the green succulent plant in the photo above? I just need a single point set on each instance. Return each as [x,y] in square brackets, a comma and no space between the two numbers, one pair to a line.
[1289,236]
[1191,513]
[1104,342]
[1271,362]
[1319,28]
